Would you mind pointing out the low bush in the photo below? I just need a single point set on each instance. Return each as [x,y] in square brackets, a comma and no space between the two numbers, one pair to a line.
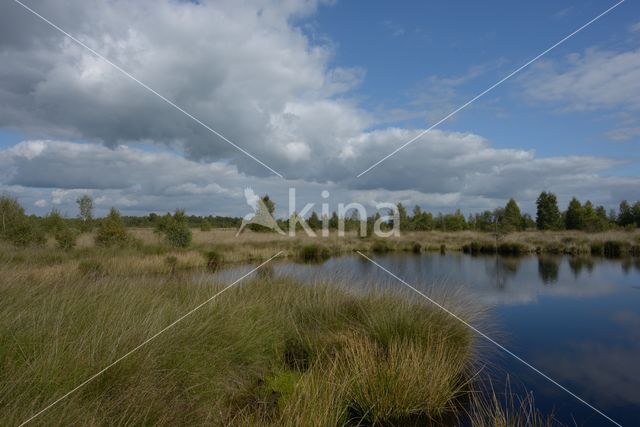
[26,232]
[511,248]
[175,229]
[479,248]
[381,247]
[66,238]
[614,248]
[214,259]
[112,231]
[597,248]
[313,253]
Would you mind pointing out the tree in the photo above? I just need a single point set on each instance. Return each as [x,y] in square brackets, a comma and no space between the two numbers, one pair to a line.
[547,213]
[314,221]
[112,231]
[455,221]
[53,222]
[575,215]
[528,222]
[625,214]
[16,227]
[594,219]
[512,218]
[175,229]
[421,220]
[271,207]
[402,217]
[334,221]
[10,212]
[636,213]
[85,204]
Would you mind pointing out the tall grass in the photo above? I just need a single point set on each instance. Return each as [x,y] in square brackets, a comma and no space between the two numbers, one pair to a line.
[268,352]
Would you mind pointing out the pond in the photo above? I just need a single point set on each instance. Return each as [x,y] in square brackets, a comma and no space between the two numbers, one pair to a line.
[575,319]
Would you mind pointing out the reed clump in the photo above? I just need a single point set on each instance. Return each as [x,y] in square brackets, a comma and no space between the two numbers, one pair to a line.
[267,352]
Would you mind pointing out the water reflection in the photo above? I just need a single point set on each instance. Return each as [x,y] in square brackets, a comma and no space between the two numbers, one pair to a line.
[576,318]
[578,263]
[548,268]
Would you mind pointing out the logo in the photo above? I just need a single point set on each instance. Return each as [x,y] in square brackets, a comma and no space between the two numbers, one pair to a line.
[385,223]
[260,215]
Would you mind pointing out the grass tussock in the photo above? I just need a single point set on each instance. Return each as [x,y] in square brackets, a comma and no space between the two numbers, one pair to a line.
[268,352]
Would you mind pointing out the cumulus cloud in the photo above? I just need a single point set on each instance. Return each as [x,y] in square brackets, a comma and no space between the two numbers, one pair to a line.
[241,67]
[249,71]
[587,81]
[467,173]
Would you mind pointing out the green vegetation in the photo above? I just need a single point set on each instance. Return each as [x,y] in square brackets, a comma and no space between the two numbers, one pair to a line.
[314,253]
[112,231]
[214,260]
[267,352]
[175,229]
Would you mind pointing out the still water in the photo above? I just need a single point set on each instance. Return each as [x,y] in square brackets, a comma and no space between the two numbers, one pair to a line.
[575,319]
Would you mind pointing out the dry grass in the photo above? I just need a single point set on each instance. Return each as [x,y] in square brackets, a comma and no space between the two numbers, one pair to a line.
[267,352]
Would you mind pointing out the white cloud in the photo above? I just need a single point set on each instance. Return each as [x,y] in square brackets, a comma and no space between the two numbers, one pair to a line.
[250,72]
[595,79]
[448,170]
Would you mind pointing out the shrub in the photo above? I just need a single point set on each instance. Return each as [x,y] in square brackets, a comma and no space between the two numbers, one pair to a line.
[66,238]
[11,213]
[112,231]
[205,225]
[314,253]
[91,268]
[26,232]
[613,248]
[175,229]
[597,248]
[178,234]
[380,247]
[214,260]
[479,248]
[416,248]
[511,248]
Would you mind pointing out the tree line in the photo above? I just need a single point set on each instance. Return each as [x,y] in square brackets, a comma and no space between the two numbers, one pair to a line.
[22,229]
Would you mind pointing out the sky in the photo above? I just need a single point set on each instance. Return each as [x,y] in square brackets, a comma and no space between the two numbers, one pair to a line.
[318,91]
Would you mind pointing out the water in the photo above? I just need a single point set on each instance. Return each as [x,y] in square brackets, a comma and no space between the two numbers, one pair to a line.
[575,319]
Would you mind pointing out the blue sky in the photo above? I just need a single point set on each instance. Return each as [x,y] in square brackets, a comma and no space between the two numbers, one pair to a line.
[319,91]
[401,47]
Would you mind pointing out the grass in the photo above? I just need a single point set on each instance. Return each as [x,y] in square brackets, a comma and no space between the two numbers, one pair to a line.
[147,253]
[268,352]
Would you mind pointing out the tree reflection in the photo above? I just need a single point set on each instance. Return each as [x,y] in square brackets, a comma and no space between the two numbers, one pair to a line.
[548,268]
[502,269]
[578,263]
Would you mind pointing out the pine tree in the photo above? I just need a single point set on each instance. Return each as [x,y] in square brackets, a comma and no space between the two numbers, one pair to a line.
[574,217]
[512,218]
[547,213]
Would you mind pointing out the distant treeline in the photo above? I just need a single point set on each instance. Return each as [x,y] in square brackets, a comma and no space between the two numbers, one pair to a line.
[204,222]
[577,216]
[20,228]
